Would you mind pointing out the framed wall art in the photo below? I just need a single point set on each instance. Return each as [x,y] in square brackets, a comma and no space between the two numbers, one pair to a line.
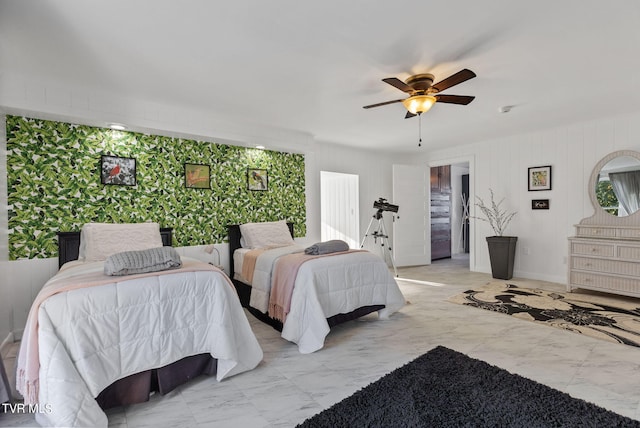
[117,170]
[539,178]
[540,204]
[197,176]
[257,179]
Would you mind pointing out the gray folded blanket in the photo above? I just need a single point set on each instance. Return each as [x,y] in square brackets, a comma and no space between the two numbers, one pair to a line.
[151,260]
[327,247]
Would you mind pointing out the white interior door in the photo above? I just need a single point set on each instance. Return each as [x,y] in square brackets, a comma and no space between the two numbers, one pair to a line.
[339,207]
[411,228]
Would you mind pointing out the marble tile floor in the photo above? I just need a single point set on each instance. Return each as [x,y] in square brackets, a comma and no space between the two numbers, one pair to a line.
[288,387]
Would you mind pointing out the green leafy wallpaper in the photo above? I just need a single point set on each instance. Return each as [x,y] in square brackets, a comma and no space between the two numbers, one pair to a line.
[54,185]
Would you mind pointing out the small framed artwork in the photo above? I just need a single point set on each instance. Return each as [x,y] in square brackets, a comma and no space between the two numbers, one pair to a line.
[197,176]
[257,179]
[117,170]
[540,178]
[540,204]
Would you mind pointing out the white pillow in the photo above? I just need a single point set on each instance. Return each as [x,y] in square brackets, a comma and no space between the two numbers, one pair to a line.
[267,234]
[101,240]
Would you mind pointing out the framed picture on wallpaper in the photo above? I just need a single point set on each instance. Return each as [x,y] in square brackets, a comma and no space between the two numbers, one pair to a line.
[257,179]
[197,176]
[118,171]
[540,178]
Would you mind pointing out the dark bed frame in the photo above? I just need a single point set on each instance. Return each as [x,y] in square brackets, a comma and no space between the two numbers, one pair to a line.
[69,244]
[244,290]
[137,387]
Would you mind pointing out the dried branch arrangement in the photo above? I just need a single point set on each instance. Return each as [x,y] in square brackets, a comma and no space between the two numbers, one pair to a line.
[497,217]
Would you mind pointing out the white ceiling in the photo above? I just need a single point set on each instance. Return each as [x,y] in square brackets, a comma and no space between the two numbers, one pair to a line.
[311,66]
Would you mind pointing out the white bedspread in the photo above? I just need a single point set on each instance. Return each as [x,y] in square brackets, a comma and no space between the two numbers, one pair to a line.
[91,337]
[324,287]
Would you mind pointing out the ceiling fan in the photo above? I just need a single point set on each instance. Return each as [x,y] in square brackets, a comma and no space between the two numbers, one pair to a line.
[424,94]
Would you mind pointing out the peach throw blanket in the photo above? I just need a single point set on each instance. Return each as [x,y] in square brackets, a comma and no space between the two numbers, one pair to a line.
[249,263]
[28,367]
[284,279]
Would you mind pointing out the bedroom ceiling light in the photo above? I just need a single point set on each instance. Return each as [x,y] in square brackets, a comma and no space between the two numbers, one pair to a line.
[117,126]
[260,147]
[418,104]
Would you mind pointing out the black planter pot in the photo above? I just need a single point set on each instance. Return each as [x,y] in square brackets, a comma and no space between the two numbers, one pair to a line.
[502,253]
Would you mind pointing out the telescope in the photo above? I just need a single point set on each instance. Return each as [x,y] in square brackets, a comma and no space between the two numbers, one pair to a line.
[382,205]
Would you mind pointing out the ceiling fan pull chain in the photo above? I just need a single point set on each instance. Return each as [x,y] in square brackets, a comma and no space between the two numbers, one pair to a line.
[419,129]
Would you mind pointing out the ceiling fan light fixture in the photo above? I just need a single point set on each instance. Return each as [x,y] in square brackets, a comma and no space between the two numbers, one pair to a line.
[419,104]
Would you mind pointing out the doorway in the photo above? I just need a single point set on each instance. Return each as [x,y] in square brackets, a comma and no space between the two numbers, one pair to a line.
[440,207]
[451,186]
[412,228]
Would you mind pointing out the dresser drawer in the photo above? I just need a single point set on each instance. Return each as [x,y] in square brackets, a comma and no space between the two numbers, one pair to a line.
[628,252]
[588,248]
[606,266]
[629,286]
[629,233]
[596,232]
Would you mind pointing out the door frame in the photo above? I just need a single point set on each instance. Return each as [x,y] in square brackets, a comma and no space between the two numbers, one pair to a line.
[470,159]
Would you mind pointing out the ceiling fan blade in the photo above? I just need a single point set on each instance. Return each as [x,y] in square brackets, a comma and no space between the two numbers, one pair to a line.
[409,115]
[454,99]
[384,103]
[454,79]
[397,83]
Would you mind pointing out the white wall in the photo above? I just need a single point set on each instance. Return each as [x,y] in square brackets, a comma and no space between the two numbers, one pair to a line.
[502,164]
[457,171]
[375,174]
[6,290]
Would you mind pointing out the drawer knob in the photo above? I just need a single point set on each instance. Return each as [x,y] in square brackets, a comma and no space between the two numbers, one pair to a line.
[594,250]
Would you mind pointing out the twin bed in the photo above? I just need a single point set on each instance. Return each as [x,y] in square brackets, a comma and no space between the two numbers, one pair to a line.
[329,288]
[94,341]
[89,347]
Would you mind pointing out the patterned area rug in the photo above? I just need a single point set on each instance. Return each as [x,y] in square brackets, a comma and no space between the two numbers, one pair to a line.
[609,318]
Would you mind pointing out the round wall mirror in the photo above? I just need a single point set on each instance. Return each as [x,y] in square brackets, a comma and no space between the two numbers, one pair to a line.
[617,185]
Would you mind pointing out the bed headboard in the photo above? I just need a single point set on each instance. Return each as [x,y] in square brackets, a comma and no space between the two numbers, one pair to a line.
[69,244]
[234,242]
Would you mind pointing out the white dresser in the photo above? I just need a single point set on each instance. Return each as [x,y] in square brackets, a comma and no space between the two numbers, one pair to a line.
[605,258]
[604,254]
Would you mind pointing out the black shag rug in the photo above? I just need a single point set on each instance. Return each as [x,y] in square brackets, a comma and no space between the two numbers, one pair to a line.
[444,388]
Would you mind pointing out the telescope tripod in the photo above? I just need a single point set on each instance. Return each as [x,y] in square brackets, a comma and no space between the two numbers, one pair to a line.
[380,232]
